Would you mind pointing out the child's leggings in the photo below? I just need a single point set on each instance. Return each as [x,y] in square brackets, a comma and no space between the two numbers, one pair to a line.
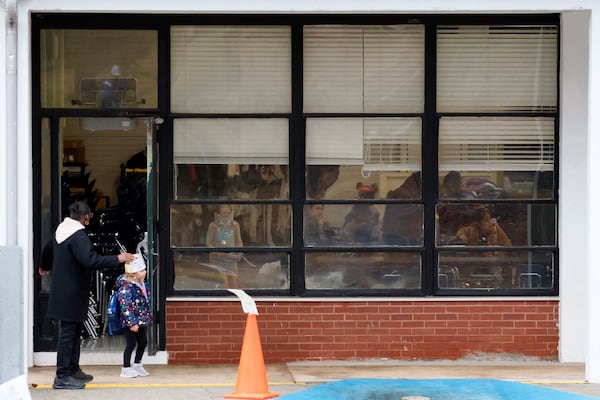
[138,338]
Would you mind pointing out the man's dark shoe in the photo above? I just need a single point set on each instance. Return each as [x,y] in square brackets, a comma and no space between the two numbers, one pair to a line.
[82,376]
[67,383]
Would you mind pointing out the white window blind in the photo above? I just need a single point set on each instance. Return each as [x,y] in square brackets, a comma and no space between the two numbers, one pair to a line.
[334,141]
[496,144]
[377,69]
[497,68]
[231,69]
[392,144]
[377,144]
[231,141]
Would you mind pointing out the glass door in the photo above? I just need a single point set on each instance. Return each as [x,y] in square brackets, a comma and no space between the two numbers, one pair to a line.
[96,94]
[109,163]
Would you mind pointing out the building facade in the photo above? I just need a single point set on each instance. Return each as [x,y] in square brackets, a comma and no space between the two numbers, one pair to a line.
[389,181]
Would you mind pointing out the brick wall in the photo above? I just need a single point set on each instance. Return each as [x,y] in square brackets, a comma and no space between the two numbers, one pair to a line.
[211,332]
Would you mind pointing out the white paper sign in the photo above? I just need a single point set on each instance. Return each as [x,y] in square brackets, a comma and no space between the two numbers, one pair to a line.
[15,389]
[248,304]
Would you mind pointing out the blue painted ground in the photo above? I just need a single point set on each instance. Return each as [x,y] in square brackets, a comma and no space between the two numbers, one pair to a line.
[435,389]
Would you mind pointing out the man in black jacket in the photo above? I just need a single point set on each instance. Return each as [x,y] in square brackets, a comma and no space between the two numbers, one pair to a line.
[70,256]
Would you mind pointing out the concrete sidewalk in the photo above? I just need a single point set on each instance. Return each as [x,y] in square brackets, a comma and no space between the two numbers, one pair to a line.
[211,382]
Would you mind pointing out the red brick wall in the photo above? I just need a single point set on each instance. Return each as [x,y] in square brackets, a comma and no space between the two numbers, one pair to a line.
[212,331]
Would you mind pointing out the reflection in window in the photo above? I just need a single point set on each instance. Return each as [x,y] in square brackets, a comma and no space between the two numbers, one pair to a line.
[260,225]
[342,153]
[377,270]
[99,68]
[363,224]
[501,224]
[496,270]
[231,181]
[498,157]
[200,271]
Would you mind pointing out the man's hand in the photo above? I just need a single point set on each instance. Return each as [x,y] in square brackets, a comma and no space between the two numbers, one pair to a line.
[126,257]
[134,328]
[42,271]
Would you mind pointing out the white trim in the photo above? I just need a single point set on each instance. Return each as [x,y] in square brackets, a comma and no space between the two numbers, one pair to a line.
[313,6]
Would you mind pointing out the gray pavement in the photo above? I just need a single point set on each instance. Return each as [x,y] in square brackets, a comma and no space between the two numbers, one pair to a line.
[210,382]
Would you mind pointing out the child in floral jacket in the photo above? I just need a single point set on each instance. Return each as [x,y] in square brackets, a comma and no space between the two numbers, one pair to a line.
[135,313]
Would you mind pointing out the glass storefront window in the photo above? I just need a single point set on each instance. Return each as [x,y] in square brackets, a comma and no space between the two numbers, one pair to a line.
[95,68]
[363,190]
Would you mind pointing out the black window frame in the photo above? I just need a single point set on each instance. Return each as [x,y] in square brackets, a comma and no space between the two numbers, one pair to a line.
[297,119]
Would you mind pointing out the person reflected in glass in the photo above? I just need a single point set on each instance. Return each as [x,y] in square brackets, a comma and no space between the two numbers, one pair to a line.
[361,222]
[315,230]
[485,231]
[194,229]
[319,178]
[452,187]
[224,231]
[402,224]
[450,217]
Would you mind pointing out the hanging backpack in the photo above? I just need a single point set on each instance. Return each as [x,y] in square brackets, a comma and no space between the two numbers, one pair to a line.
[113,315]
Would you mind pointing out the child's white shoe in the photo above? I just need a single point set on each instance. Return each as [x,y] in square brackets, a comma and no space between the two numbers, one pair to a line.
[128,372]
[139,368]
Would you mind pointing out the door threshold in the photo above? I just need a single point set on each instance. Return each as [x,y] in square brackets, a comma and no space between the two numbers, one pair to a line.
[99,357]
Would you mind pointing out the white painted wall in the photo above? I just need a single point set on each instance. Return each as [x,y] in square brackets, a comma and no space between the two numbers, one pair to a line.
[580,170]
[3,134]
[573,186]
[592,277]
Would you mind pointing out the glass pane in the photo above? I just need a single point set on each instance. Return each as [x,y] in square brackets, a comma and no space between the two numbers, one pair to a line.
[218,270]
[495,270]
[342,224]
[471,185]
[231,181]
[106,166]
[380,270]
[231,158]
[363,224]
[344,153]
[378,69]
[389,145]
[496,224]
[497,68]
[498,157]
[403,225]
[259,224]
[231,69]
[83,68]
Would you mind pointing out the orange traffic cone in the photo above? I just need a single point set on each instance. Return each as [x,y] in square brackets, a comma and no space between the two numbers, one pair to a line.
[252,377]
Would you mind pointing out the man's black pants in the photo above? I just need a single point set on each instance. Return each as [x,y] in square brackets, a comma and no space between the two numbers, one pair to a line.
[69,348]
